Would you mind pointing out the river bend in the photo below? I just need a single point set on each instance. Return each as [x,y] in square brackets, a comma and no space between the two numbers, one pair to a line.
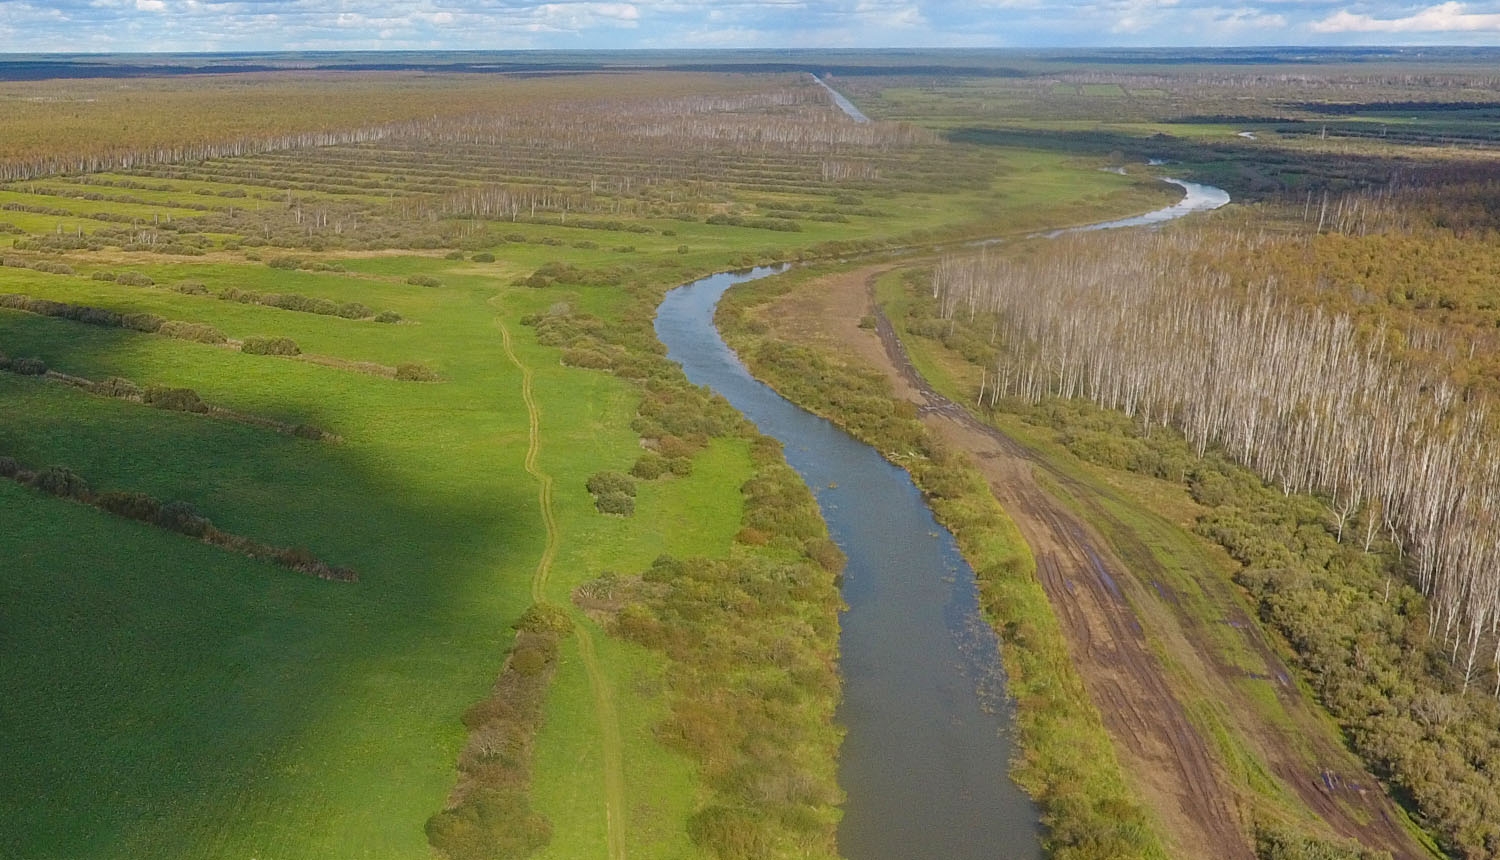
[926,756]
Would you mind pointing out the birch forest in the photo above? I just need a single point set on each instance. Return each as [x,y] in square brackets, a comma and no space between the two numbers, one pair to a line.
[1310,400]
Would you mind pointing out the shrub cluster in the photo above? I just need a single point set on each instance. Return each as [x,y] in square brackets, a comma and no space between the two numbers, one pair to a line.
[175,399]
[195,332]
[424,281]
[415,372]
[23,366]
[780,225]
[50,267]
[613,492]
[489,814]
[567,273]
[305,304]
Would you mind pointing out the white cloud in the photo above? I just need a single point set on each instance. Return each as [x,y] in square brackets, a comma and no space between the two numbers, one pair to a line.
[150,5]
[1451,17]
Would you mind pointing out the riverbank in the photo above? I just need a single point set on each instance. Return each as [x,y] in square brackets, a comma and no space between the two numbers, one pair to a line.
[1267,775]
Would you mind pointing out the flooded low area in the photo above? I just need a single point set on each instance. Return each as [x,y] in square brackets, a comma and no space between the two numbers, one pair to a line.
[927,752]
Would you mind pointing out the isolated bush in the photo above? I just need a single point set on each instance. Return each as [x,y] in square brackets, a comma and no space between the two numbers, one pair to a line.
[9,467]
[600,483]
[615,503]
[413,372]
[424,281]
[270,346]
[195,332]
[483,257]
[105,276]
[454,255]
[388,317]
[52,268]
[134,279]
[285,263]
[191,288]
[175,399]
[354,311]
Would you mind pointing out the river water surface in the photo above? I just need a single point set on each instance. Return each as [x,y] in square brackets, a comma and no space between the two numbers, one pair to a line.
[927,750]
[925,759]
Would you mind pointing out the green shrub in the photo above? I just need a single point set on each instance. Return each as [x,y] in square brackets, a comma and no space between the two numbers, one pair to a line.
[414,372]
[114,386]
[270,346]
[600,483]
[285,263]
[104,276]
[28,366]
[615,503]
[184,518]
[484,257]
[649,466]
[149,323]
[195,332]
[388,317]
[134,279]
[175,399]
[490,824]
[354,311]
[135,506]
[424,281]
[61,481]
[191,288]
[454,255]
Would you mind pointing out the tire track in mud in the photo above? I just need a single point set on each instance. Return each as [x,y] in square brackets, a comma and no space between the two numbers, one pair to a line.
[604,706]
[1125,678]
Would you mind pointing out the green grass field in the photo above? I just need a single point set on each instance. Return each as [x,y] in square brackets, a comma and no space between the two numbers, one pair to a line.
[165,698]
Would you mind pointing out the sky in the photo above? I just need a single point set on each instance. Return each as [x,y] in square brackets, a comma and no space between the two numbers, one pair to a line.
[266,25]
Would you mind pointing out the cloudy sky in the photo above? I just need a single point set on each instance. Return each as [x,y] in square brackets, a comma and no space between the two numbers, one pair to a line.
[207,25]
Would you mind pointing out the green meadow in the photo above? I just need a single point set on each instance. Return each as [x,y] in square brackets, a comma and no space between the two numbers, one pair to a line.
[163,697]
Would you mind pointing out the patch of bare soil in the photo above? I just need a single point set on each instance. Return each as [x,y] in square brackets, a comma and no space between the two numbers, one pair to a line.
[1108,606]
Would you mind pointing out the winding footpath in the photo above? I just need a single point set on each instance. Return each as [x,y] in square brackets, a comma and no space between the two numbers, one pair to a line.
[604,703]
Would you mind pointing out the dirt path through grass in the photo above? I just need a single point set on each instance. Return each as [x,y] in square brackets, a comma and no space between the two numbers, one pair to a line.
[604,704]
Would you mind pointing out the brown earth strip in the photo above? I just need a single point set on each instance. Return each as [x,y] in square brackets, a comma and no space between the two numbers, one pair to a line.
[1103,603]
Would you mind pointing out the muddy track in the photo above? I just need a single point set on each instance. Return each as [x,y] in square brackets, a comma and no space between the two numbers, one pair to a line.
[612,747]
[1092,592]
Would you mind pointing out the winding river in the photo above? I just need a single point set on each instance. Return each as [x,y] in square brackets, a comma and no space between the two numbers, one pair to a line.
[927,749]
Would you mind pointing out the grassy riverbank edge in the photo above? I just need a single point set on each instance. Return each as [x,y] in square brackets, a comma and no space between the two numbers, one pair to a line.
[1066,762]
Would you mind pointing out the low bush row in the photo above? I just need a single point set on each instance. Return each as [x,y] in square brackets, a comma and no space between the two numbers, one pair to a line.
[489,814]
[143,322]
[175,516]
